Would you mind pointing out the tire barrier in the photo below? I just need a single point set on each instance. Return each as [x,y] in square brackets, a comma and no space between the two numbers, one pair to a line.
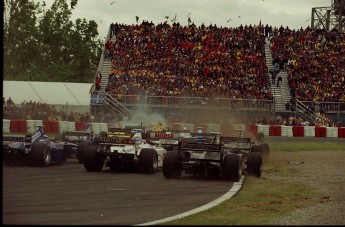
[6,126]
[298,131]
[341,132]
[275,130]
[27,126]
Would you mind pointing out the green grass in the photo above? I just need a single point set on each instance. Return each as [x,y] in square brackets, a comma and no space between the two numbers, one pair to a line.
[263,199]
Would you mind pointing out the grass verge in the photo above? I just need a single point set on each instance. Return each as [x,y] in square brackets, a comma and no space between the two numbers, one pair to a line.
[263,199]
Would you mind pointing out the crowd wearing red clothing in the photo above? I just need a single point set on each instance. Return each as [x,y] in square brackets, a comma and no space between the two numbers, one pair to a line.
[175,60]
[314,59]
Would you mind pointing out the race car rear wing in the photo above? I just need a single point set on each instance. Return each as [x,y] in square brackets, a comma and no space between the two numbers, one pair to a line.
[124,130]
[6,139]
[236,142]
[77,133]
[201,151]
[199,147]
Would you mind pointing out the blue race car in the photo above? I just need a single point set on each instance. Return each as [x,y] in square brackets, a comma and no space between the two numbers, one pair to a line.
[36,150]
[75,143]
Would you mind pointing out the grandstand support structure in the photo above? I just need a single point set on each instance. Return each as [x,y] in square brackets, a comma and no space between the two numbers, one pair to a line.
[329,17]
[281,94]
[111,102]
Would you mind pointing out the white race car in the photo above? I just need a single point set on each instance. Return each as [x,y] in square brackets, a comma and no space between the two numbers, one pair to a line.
[120,155]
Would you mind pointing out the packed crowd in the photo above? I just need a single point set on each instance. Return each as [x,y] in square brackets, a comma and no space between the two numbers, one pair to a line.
[314,60]
[40,111]
[175,60]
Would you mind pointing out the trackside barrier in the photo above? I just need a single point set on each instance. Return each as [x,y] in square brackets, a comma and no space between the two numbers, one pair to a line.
[309,131]
[287,130]
[51,126]
[70,126]
[95,127]
[332,132]
[265,129]
[80,126]
[320,131]
[298,131]
[6,126]
[18,125]
[275,130]
[31,125]
[62,126]
[28,126]
[341,132]
[252,129]
[103,127]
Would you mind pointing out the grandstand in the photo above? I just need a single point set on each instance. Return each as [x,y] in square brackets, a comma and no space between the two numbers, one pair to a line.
[133,77]
[216,72]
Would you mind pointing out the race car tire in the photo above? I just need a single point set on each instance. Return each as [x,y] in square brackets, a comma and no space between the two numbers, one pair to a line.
[254,164]
[148,160]
[40,154]
[81,149]
[257,148]
[172,167]
[93,162]
[232,167]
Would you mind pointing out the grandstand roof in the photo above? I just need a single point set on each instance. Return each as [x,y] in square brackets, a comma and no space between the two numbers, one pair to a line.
[54,93]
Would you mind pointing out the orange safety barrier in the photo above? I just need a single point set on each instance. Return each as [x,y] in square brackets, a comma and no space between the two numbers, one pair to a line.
[298,131]
[320,131]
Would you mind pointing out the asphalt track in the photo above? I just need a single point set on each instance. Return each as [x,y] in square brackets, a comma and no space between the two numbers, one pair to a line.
[69,195]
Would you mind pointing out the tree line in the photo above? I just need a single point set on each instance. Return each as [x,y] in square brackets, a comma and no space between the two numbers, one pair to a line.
[44,44]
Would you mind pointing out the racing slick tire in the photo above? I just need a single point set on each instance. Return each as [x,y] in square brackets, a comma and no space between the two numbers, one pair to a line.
[254,164]
[172,167]
[40,154]
[257,148]
[81,149]
[93,162]
[232,167]
[148,160]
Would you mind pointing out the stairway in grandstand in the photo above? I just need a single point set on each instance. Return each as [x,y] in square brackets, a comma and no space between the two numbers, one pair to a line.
[281,94]
[110,102]
[105,71]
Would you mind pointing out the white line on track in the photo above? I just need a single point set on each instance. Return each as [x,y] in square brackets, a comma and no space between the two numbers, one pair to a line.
[232,191]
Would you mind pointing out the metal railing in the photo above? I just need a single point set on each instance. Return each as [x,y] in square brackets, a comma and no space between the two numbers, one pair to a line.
[190,102]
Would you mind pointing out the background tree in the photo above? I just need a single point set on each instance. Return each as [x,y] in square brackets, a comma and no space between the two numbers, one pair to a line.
[46,45]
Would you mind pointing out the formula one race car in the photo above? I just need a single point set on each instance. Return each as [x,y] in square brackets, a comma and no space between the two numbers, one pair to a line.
[168,139]
[120,153]
[77,141]
[35,150]
[213,157]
